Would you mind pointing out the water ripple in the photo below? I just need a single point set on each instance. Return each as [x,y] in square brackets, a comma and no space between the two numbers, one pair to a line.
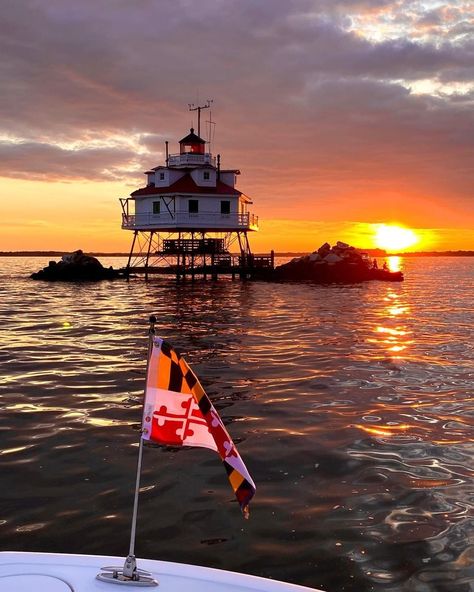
[352,406]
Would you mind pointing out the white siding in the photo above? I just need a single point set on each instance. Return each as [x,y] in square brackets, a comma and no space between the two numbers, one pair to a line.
[198,177]
[144,205]
[170,177]
[211,205]
[228,179]
[208,216]
[207,204]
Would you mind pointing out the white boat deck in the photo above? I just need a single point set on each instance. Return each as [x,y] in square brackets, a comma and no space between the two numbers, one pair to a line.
[54,572]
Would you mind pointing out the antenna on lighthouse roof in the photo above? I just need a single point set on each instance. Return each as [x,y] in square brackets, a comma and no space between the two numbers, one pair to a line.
[211,131]
[199,108]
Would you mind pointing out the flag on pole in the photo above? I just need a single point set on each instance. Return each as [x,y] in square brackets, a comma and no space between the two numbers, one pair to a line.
[177,412]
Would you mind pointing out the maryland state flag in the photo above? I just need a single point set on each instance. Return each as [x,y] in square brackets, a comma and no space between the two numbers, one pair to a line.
[177,412]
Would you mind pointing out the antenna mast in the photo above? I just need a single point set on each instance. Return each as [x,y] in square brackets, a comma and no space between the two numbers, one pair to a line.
[212,131]
[199,108]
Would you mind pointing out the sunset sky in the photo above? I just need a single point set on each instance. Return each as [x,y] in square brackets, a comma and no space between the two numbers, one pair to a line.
[341,115]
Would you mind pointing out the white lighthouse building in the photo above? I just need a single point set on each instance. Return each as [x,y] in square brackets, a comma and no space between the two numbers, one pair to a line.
[189,216]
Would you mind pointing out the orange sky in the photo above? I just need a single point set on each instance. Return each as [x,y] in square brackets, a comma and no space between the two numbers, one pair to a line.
[340,115]
[68,216]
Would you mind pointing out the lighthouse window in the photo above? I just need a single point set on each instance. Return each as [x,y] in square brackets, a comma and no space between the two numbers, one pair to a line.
[193,206]
[225,207]
[206,176]
[156,207]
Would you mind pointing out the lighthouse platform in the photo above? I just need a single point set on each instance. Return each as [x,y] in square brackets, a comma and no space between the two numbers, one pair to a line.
[217,264]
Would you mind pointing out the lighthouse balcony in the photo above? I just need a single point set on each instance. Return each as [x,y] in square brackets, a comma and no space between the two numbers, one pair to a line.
[191,159]
[186,220]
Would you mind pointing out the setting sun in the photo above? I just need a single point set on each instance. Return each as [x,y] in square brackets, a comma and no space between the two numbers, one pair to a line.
[394,238]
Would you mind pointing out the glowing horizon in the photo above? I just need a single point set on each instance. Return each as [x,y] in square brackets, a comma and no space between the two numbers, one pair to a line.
[57,220]
[366,119]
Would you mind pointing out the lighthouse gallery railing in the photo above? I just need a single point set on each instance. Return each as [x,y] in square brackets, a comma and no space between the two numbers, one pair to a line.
[201,219]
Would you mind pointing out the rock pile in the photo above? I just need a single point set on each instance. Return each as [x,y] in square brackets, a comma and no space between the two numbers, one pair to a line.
[76,266]
[340,252]
[341,263]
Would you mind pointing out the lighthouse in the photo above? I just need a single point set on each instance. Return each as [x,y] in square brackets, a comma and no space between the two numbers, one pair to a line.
[190,219]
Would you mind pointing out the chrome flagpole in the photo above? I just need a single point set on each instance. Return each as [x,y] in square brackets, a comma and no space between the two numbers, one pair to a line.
[130,574]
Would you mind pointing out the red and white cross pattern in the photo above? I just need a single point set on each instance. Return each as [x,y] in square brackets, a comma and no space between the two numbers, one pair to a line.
[175,419]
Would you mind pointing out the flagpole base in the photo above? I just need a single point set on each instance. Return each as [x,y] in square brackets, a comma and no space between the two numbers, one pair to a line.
[128,575]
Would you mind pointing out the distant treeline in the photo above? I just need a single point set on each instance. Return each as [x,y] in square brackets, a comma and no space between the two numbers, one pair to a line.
[437,254]
[54,254]
[382,253]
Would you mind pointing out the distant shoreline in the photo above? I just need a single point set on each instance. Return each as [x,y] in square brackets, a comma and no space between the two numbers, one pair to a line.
[380,253]
[370,252]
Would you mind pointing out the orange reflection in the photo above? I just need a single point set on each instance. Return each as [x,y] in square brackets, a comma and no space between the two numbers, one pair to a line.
[397,310]
[15,450]
[390,331]
[383,430]
[394,263]
[395,338]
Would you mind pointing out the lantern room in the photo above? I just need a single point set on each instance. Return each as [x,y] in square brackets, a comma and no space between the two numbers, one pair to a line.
[192,144]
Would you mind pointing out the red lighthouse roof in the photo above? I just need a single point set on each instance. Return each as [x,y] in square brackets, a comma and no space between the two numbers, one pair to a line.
[192,138]
[186,184]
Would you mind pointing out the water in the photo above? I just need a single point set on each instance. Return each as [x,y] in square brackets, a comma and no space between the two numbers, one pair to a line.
[351,405]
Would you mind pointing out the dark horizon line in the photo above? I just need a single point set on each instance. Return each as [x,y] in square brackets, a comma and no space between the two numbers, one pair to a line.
[371,252]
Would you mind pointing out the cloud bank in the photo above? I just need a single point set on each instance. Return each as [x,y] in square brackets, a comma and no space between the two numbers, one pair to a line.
[321,103]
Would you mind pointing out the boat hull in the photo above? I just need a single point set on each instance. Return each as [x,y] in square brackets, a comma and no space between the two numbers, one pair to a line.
[56,572]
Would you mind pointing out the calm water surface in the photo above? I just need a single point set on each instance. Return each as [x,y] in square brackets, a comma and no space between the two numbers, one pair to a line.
[352,407]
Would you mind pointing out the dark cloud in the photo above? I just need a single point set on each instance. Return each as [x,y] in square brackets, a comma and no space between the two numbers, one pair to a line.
[463,29]
[153,142]
[292,88]
[33,160]
[86,66]
[431,18]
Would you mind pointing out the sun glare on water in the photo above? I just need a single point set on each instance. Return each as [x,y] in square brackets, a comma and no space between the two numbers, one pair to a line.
[394,238]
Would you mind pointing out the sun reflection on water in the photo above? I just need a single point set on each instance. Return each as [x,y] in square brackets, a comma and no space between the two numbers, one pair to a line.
[394,263]
[391,331]
[383,430]
[396,337]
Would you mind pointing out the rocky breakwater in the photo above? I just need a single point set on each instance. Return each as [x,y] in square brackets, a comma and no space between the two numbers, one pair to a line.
[339,264]
[75,267]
